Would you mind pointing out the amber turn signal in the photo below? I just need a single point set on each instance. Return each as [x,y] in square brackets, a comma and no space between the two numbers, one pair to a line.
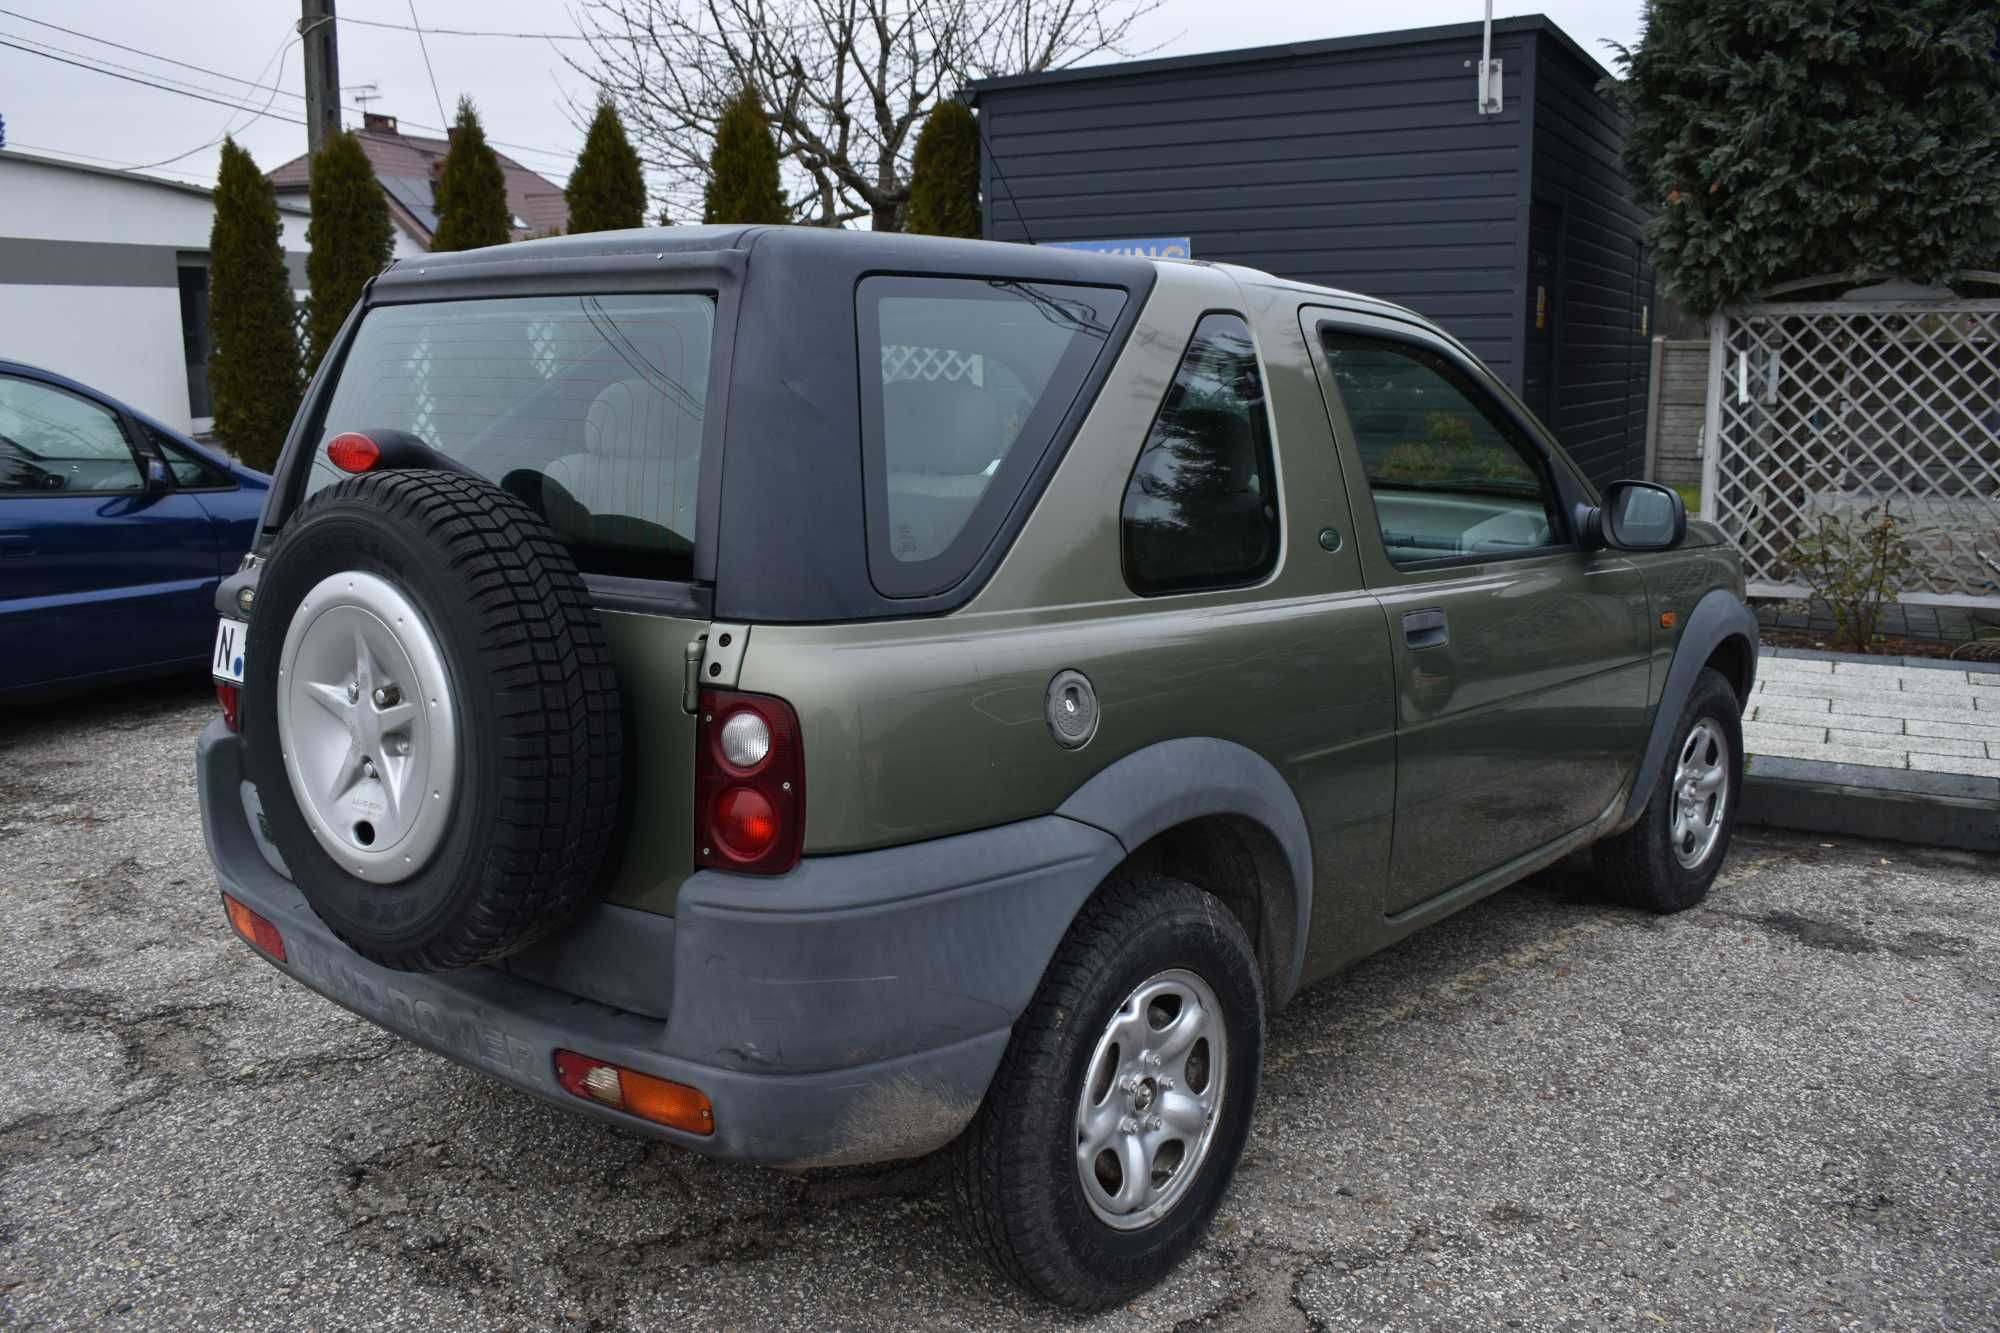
[674,1105]
[1668,620]
[255,930]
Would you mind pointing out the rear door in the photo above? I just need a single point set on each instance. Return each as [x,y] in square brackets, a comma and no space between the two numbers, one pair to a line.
[1520,661]
[98,572]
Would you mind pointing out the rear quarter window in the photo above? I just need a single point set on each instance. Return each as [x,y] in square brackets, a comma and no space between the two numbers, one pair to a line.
[588,408]
[964,383]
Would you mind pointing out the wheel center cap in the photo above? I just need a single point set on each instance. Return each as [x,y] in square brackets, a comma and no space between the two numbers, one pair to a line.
[1143,1098]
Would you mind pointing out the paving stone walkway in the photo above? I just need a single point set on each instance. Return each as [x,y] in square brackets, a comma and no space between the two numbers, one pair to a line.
[1892,714]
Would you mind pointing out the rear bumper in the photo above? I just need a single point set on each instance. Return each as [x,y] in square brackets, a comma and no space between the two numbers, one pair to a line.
[853,1010]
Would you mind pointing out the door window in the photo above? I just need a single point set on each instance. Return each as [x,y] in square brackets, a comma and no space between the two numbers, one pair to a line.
[53,442]
[1451,477]
[1201,509]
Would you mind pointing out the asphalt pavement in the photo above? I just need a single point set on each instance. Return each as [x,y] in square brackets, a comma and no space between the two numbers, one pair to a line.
[1780,1110]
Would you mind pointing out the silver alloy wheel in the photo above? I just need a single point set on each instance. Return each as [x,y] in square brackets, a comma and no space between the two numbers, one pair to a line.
[1700,793]
[368,727]
[1151,1099]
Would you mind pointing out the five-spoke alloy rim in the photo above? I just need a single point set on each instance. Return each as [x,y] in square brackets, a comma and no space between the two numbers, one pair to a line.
[1151,1099]
[368,727]
[1700,793]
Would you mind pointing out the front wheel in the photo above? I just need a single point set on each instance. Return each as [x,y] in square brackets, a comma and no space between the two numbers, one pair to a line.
[1667,861]
[1115,1120]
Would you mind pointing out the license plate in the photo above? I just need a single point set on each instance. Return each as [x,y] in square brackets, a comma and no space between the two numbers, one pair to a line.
[227,663]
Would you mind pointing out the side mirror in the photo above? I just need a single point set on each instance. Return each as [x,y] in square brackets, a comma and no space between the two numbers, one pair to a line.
[158,479]
[1640,516]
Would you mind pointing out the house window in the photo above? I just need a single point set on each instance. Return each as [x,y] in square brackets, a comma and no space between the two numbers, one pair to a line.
[194,333]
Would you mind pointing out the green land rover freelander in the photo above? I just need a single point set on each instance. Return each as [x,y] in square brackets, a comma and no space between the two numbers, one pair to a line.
[828,697]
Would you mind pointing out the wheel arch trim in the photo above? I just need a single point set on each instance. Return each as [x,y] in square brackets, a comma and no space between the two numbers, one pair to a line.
[1173,782]
[1718,617]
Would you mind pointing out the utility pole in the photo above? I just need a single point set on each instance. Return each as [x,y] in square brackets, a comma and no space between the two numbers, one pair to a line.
[317,30]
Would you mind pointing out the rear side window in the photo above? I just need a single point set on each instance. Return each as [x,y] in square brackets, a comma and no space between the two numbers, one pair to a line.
[589,408]
[964,382]
[1201,510]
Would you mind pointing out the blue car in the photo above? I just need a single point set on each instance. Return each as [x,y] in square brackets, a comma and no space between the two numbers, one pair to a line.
[114,531]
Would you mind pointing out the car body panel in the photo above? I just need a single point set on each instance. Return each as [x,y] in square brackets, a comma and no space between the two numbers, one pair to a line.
[108,585]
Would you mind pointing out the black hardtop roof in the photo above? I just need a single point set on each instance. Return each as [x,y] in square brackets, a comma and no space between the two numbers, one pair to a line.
[642,249]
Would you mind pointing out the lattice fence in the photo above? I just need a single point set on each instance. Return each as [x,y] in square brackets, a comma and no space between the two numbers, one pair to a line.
[1826,407]
[901,361]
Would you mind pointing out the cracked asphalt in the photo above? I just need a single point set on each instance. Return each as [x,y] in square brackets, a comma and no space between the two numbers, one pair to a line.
[1778,1111]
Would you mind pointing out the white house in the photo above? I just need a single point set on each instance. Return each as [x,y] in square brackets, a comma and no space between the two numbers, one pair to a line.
[104,278]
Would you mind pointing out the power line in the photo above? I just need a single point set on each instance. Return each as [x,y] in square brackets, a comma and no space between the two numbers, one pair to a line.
[150,55]
[435,97]
[128,78]
[93,157]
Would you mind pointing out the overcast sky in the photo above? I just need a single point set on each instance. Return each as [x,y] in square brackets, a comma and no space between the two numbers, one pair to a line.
[520,85]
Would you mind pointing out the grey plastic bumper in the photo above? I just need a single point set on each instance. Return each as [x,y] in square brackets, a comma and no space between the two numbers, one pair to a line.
[853,1010]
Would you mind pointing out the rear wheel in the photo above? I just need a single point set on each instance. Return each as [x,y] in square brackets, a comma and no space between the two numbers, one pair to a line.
[1667,861]
[1114,1123]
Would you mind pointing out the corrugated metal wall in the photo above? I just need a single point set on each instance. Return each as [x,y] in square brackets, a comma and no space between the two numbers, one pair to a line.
[1361,164]
[1603,287]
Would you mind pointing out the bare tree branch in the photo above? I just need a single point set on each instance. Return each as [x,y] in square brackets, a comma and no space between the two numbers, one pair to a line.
[847,83]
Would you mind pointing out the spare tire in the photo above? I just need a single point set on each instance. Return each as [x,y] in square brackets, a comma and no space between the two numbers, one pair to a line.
[432,719]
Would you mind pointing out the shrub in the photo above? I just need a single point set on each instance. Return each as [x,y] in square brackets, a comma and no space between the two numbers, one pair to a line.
[350,236]
[1794,138]
[607,191]
[743,169]
[1856,562]
[944,175]
[253,359]
[472,191]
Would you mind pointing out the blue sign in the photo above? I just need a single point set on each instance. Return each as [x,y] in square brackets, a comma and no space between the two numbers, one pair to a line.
[1154,247]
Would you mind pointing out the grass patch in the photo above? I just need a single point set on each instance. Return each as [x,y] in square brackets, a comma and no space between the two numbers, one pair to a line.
[1691,497]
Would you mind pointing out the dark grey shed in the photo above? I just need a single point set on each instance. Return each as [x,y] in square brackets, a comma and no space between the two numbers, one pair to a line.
[1364,163]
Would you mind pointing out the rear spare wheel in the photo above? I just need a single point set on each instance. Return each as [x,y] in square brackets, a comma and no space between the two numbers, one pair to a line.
[432,719]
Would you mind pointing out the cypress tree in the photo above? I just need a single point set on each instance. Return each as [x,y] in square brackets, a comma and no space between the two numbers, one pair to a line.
[253,359]
[350,235]
[743,169]
[607,191]
[1795,138]
[944,174]
[471,192]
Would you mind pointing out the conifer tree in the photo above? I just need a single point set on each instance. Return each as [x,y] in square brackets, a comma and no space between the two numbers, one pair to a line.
[743,169]
[350,236]
[1795,138]
[253,359]
[471,193]
[944,176]
[607,191]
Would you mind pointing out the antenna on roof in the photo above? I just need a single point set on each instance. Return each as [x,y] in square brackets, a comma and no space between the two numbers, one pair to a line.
[373,94]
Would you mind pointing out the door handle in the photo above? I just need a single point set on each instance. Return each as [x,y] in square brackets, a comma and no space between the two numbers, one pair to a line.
[1425,629]
[16,543]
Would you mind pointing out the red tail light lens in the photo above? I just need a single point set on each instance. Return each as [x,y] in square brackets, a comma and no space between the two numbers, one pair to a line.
[231,699]
[750,784]
[353,452]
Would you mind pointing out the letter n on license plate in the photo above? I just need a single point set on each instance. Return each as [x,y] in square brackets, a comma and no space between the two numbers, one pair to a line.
[227,664]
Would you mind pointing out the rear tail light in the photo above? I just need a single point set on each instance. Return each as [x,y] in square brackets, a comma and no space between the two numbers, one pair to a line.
[672,1104]
[255,930]
[750,784]
[353,452]
[231,699]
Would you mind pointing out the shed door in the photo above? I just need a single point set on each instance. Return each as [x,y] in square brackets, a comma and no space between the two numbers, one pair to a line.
[1538,368]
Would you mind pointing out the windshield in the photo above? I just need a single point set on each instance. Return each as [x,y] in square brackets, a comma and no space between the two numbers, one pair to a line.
[588,408]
